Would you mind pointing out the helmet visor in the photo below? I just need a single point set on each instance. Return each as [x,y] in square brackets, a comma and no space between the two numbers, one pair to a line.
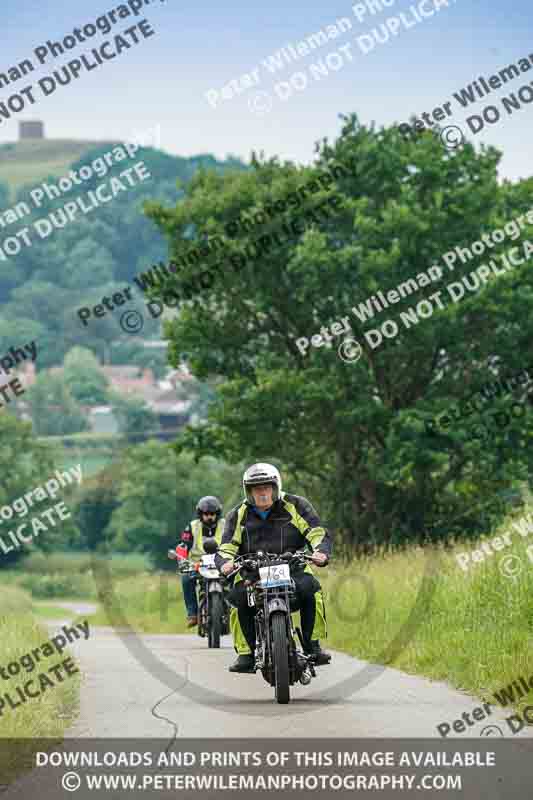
[260,482]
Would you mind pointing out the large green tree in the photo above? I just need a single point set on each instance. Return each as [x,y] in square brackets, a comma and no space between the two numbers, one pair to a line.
[356,431]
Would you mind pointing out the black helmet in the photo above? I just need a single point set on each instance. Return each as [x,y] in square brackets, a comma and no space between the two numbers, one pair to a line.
[209,504]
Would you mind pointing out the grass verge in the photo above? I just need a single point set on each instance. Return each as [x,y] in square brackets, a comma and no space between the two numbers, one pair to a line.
[472,629]
[45,716]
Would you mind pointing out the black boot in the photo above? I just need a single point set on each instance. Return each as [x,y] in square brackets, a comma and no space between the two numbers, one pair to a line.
[320,657]
[245,663]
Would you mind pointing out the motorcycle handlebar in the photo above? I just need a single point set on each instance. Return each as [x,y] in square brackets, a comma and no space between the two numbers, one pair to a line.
[254,563]
[184,565]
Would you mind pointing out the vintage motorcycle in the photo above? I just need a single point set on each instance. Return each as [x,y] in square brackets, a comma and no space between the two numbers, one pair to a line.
[270,589]
[213,608]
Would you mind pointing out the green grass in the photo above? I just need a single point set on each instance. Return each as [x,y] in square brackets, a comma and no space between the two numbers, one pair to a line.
[83,439]
[81,562]
[51,585]
[149,603]
[48,611]
[29,162]
[68,575]
[91,463]
[45,716]
[474,629]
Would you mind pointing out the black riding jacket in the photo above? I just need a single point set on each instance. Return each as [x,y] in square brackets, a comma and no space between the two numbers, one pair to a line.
[291,525]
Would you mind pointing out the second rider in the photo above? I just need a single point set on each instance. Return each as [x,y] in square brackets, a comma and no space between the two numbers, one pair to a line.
[208,525]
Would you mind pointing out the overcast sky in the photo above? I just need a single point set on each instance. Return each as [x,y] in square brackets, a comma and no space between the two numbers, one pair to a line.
[202,46]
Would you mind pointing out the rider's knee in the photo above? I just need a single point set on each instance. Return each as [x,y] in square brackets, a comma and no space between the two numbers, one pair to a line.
[307,585]
[237,596]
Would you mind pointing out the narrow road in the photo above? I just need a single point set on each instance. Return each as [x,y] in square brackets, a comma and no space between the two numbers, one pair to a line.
[173,685]
[126,694]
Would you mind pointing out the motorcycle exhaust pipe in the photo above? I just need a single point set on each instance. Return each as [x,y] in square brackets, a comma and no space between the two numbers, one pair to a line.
[307,672]
[305,677]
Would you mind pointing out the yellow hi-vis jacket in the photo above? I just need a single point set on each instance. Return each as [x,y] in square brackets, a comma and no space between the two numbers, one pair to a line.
[193,539]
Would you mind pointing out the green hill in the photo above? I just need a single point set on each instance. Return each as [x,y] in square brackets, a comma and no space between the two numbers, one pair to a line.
[79,262]
[31,161]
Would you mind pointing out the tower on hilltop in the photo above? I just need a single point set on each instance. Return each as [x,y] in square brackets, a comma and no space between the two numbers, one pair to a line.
[31,130]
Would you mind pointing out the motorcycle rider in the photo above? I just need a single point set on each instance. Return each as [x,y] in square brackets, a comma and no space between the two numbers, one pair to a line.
[209,524]
[276,522]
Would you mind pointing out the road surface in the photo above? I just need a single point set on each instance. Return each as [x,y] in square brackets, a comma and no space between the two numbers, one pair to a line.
[126,694]
[185,690]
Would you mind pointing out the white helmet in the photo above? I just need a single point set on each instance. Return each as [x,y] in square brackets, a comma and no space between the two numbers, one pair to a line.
[261,473]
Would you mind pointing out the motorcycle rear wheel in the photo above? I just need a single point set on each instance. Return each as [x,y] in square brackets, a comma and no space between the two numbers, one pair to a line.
[280,656]
[215,619]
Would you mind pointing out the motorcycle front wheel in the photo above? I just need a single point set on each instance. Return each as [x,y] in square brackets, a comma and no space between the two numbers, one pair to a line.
[280,656]
[202,618]
[215,619]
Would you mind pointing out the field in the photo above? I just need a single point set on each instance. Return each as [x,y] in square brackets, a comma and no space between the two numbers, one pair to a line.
[93,451]
[91,463]
[67,576]
[29,162]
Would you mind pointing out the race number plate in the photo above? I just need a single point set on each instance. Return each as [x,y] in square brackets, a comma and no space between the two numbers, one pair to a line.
[277,575]
[209,572]
[208,560]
